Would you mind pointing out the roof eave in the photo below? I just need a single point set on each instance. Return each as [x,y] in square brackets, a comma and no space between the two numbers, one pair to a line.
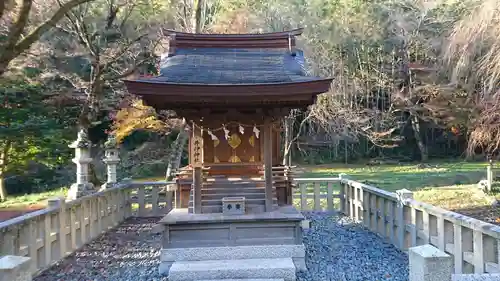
[145,87]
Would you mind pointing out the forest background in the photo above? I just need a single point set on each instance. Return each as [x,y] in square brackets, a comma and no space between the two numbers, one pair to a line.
[414,80]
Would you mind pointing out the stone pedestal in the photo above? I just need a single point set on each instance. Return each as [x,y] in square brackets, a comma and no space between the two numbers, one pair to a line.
[82,159]
[15,268]
[427,263]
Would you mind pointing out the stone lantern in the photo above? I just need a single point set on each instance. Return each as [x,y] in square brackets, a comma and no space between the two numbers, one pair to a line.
[82,159]
[111,159]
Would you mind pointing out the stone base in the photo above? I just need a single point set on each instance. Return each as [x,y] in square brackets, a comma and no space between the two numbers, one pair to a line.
[164,267]
[233,269]
[15,268]
[234,253]
[428,263]
[79,190]
[300,264]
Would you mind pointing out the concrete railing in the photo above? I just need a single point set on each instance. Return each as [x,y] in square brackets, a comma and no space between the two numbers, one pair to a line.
[317,194]
[48,235]
[405,222]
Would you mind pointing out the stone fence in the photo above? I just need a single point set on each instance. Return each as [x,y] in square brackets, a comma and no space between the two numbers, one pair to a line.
[39,239]
[473,244]
[48,235]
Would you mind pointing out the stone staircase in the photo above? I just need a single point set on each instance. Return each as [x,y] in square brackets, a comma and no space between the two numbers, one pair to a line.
[217,187]
[242,263]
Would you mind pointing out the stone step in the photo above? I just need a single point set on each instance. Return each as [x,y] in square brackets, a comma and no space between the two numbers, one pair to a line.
[218,202]
[232,253]
[253,279]
[281,268]
[233,184]
[232,190]
[219,196]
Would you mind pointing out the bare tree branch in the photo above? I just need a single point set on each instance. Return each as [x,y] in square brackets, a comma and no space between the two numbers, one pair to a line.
[19,25]
[6,56]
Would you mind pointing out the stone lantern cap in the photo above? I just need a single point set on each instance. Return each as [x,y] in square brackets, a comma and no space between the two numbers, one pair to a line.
[111,142]
[82,140]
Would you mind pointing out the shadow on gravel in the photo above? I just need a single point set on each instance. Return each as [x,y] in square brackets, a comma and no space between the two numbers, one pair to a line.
[128,252]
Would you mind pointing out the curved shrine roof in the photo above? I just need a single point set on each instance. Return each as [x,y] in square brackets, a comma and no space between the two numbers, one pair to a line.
[214,68]
[218,66]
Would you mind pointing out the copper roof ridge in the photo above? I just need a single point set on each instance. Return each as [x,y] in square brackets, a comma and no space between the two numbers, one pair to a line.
[283,39]
[244,36]
[222,85]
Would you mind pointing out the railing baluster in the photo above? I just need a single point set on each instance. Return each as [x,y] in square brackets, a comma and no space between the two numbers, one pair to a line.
[329,197]
[141,200]
[155,200]
[303,197]
[317,198]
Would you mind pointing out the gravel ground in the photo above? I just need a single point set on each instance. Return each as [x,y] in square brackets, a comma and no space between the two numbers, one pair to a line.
[337,250]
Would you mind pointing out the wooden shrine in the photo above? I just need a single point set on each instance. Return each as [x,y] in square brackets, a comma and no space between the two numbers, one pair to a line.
[234,91]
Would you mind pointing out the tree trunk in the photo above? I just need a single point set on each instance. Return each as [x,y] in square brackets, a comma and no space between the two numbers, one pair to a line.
[3,68]
[4,154]
[287,155]
[198,16]
[415,124]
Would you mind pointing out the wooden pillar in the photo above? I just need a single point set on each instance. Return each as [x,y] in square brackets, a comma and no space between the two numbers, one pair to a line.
[197,163]
[197,182]
[268,159]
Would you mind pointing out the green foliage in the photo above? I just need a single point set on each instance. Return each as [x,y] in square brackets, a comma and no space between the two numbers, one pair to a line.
[36,133]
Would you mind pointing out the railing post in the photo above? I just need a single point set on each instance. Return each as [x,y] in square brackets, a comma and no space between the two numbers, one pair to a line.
[61,204]
[427,263]
[82,187]
[403,195]
[112,159]
[15,268]
[342,193]
[489,175]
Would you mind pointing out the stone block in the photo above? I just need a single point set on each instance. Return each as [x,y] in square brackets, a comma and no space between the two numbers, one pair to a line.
[15,268]
[427,263]
[233,269]
[475,277]
[232,253]
[300,264]
[305,224]
[273,279]
[233,205]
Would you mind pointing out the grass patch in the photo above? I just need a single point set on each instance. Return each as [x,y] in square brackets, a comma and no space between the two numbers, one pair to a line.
[450,186]
[455,197]
[409,176]
[22,201]
[447,185]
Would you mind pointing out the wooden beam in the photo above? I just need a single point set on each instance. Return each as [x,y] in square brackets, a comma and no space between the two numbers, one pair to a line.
[268,166]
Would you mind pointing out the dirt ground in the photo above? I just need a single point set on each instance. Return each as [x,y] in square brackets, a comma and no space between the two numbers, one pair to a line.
[9,213]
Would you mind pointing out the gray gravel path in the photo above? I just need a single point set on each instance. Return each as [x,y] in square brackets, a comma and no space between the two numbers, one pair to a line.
[337,250]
